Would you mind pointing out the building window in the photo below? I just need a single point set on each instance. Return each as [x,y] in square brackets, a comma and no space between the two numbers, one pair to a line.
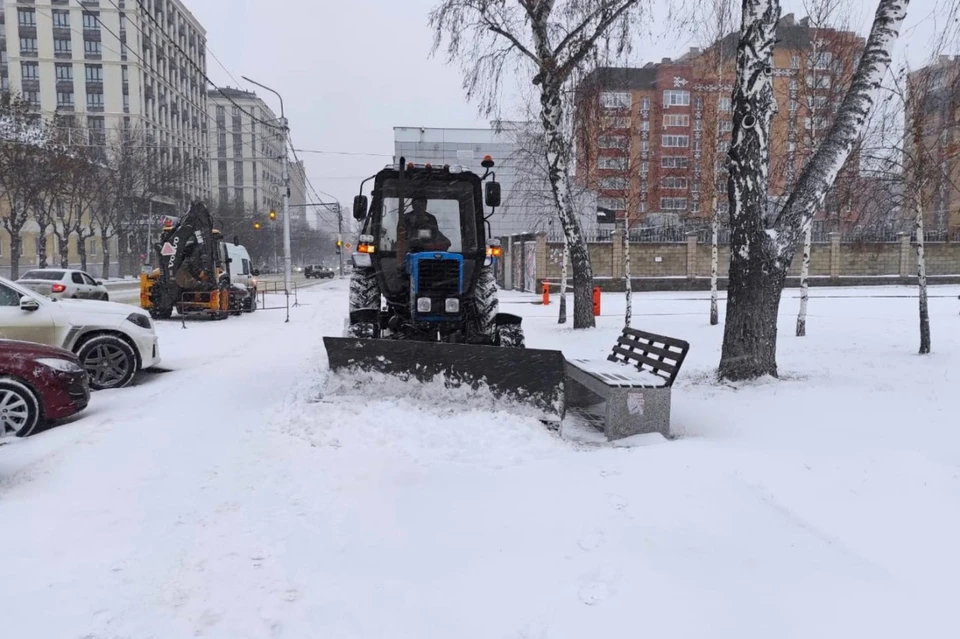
[65,98]
[125,74]
[30,70]
[94,100]
[674,162]
[816,101]
[612,163]
[238,196]
[644,146]
[644,168]
[126,102]
[609,122]
[724,146]
[643,207]
[795,62]
[91,47]
[91,247]
[821,82]
[610,100]
[91,20]
[676,141]
[613,183]
[32,98]
[64,72]
[613,142]
[28,45]
[644,104]
[673,203]
[61,45]
[673,97]
[645,125]
[675,183]
[676,120]
[726,104]
[94,73]
[726,126]
[614,203]
[26,17]
[821,61]
[238,173]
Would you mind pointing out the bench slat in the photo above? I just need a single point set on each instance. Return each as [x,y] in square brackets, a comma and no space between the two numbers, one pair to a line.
[662,339]
[638,358]
[656,350]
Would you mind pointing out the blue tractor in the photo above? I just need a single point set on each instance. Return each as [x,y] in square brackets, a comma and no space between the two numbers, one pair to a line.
[423,295]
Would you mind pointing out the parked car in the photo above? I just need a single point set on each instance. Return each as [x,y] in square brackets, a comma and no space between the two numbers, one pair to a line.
[38,384]
[113,341]
[64,283]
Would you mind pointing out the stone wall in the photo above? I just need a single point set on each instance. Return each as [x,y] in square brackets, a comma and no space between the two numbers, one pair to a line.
[686,265]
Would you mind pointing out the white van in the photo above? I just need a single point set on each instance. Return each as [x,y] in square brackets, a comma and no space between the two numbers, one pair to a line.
[242,273]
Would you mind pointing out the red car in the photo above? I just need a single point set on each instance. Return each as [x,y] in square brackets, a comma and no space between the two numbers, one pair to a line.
[38,384]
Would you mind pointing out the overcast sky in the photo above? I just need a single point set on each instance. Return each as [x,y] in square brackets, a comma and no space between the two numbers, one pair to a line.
[351,70]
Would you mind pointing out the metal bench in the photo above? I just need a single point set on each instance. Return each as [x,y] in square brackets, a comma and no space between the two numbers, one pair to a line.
[629,392]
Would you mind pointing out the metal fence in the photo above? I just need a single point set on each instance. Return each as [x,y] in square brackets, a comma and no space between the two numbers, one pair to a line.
[678,235]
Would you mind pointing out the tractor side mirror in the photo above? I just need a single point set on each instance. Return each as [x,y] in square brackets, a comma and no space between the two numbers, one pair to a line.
[491,192]
[359,207]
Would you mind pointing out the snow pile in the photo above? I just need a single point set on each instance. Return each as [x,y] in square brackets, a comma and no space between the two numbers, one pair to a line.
[422,421]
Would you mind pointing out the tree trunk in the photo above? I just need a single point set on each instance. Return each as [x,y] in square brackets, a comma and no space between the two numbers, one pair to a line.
[42,248]
[627,277]
[106,256]
[714,265]
[16,248]
[82,251]
[804,281]
[562,319]
[63,248]
[558,171]
[922,278]
[756,273]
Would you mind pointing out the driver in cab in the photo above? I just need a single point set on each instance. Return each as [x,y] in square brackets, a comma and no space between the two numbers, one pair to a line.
[420,230]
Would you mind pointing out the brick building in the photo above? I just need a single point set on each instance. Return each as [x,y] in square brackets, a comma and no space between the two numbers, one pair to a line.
[654,140]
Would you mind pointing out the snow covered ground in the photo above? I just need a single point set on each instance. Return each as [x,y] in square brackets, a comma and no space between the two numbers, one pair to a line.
[247,493]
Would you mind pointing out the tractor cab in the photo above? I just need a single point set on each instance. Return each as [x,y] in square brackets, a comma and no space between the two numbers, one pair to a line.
[425,237]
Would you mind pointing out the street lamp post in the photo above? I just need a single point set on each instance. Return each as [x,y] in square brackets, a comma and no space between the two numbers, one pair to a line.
[287,276]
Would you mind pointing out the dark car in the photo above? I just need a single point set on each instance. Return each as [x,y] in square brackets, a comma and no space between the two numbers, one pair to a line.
[317,271]
[38,384]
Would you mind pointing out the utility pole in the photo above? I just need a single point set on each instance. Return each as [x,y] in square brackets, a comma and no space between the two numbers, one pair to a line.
[340,237]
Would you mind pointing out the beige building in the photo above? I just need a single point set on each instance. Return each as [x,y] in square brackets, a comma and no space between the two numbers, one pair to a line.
[245,149]
[106,67]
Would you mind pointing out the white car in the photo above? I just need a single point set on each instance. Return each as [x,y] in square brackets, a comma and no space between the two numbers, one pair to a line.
[113,341]
[64,283]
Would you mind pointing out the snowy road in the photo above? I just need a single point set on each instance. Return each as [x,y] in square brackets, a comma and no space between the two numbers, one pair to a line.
[247,494]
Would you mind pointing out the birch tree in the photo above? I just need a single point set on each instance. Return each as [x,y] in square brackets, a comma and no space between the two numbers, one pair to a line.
[760,253]
[551,40]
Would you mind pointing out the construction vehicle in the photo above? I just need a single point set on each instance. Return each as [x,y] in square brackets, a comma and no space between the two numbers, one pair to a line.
[423,296]
[192,275]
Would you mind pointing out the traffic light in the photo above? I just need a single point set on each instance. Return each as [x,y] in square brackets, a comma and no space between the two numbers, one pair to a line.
[339,245]
[273,216]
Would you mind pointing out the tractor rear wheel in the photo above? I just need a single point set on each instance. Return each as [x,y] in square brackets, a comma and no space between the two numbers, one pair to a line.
[364,290]
[485,305]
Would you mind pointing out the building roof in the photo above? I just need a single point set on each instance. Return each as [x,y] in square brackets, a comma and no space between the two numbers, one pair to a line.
[230,92]
[614,78]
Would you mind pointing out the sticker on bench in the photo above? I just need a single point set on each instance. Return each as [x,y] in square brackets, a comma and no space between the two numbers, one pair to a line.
[635,403]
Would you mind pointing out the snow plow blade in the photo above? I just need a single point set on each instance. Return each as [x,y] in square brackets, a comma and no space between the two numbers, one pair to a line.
[533,377]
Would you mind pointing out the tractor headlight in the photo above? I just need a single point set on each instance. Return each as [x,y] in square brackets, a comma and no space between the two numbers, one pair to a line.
[452,305]
[424,305]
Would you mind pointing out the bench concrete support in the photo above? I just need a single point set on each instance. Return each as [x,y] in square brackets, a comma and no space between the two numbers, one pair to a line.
[627,410]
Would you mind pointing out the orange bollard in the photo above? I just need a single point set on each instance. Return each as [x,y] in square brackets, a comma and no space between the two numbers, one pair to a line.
[596,301]
[546,294]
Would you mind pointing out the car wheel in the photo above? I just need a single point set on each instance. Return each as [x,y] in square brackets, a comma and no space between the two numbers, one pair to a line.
[156,313]
[106,297]
[19,408]
[109,361]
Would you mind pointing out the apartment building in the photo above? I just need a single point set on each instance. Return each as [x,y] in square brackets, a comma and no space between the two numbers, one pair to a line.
[246,147]
[654,140]
[932,142]
[112,67]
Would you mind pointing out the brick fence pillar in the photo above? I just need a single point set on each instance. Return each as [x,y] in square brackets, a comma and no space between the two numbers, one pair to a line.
[834,254]
[617,264]
[692,255]
[541,260]
[904,254]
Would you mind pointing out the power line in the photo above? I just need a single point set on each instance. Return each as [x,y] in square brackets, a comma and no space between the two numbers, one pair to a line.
[378,155]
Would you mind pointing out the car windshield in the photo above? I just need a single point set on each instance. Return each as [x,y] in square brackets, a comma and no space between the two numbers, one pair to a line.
[53,276]
[437,216]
